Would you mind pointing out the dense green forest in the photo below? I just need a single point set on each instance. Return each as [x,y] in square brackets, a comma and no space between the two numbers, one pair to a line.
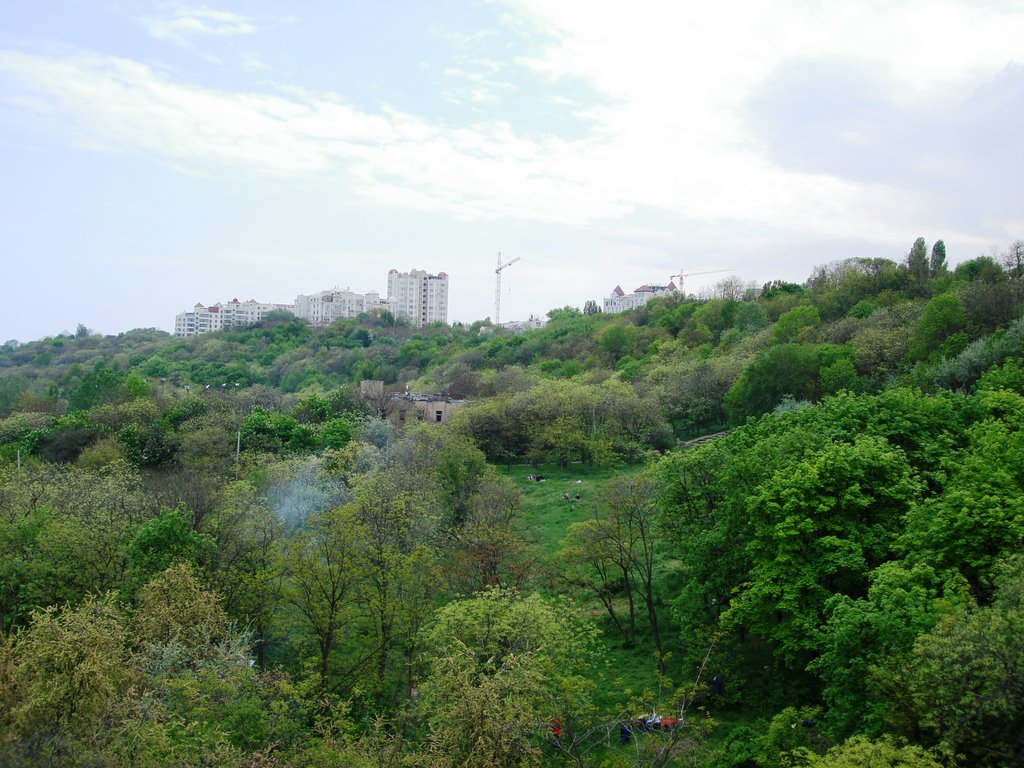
[779,525]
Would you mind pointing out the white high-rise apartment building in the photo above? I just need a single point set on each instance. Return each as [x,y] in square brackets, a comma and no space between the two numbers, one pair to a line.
[420,296]
[231,314]
[327,306]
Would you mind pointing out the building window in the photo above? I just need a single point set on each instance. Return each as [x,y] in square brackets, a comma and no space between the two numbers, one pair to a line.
[437,415]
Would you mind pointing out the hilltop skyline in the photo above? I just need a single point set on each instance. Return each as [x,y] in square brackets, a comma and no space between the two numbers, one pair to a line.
[160,154]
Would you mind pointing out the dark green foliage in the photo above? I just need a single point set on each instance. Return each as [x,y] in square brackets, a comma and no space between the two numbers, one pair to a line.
[837,376]
[990,305]
[864,635]
[616,339]
[779,288]
[937,264]
[337,433]
[940,330]
[274,432]
[146,446]
[163,541]
[816,531]
[796,324]
[862,309]
[787,511]
[792,737]
[787,369]
[716,315]
[981,511]
[64,441]
[96,388]
[917,264]
[965,680]
[183,409]
[750,317]
[982,269]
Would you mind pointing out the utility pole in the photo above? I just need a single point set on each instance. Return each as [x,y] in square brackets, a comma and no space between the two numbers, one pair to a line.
[497,286]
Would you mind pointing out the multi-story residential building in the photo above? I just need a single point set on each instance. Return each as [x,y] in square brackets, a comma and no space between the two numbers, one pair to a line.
[620,301]
[420,296]
[327,306]
[230,314]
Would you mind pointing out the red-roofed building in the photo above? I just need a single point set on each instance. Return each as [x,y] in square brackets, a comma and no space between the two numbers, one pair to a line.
[618,301]
[233,314]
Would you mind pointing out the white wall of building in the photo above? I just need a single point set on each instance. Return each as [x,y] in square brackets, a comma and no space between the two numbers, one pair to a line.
[617,301]
[327,306]
[231,314]
[420,296]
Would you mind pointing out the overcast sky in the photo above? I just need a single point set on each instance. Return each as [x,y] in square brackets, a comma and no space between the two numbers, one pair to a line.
[153,155]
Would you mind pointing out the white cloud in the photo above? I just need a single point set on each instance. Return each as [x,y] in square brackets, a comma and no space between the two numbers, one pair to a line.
[185,22]
[475,86]
[482,170]
[677,79]
[669,130]
[485,170]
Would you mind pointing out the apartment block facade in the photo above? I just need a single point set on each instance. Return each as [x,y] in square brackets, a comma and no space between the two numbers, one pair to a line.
[420,296]
[325,307]
[231,314]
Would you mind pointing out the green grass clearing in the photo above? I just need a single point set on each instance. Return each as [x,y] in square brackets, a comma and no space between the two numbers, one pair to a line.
[628,673]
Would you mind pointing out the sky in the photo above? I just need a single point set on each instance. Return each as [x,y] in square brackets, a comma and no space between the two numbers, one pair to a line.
[154,155]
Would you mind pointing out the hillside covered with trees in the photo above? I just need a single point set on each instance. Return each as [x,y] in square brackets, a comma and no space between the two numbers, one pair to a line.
[777,525]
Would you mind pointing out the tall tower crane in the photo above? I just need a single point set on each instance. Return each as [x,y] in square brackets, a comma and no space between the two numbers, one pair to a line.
[497,286]
[681,275]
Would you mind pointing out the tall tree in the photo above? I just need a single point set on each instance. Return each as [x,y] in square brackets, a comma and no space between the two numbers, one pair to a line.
[917,263]
[322,568]
[1014,259]
[400,528]
[937,266]
[500,666]
[489,549]
[592,559]
[633,504]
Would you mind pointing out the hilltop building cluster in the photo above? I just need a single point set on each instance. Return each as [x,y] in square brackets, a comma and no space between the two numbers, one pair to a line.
[222,315]
[620,301]
[417,295]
